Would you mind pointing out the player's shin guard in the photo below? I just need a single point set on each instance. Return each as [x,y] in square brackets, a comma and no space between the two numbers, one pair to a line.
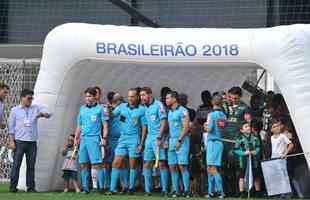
[132,179]
[124,177]
[175,181]
[219,183]
[85,175]
[114,178]
[147,179]
[164,176]
[100,177]
[185,178]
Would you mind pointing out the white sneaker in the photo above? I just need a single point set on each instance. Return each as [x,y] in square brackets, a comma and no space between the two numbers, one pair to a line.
[77,190]
[66,190]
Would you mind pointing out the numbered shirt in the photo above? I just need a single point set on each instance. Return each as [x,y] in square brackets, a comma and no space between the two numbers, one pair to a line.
[90,120]
[175,120]
[216,124]
[131,119]
[236,112]
[154,114]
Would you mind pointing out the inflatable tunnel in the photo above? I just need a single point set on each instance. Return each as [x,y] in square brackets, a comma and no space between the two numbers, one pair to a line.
[76,56]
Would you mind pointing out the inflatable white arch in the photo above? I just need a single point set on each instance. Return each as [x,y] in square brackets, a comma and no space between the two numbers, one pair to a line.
[66,70]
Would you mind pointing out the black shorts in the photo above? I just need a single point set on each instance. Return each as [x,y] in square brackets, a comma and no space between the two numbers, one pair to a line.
[69,174]
[256,173]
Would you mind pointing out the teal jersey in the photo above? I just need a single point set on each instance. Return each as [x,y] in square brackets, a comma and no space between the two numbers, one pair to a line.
[131,119]
[114,127]
[154,114]
[90,120]
[216,124]
[175,121]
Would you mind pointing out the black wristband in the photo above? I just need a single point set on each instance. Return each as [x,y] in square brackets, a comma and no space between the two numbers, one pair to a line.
[179,140]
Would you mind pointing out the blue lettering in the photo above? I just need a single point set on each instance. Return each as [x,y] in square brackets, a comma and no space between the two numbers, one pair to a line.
[168,49]
[122,49]
[132,51]
[100,47]
[191,50]
[144,51]
[139,49]
[179,50]
[111,47]
[154,50]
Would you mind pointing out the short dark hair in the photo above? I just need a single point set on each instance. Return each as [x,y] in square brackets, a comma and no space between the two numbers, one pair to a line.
[173,94]
[98,88]
[148,90]
[183,99]
[235,90]
[26,92]
[4,86]
[110,96]
[206,97]
[164,91]
[91,90]
[137,89]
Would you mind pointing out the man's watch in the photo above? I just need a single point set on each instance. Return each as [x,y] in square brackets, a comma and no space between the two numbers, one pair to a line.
[179,140]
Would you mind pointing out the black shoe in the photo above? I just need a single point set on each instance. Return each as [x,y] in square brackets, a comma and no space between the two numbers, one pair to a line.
[131,191]
[147,194]
[110,193]
[14,190]
[243,195]
[31,190]
[174,194]
[85,192]
[187,195]
[124,191]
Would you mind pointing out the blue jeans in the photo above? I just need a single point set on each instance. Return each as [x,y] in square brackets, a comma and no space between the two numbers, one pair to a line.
[30,149]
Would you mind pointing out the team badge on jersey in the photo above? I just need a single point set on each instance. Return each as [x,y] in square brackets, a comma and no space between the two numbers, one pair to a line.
[221,123]
[135,120]
[93,118]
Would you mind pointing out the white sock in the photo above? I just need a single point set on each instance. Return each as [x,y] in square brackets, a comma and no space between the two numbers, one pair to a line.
[94,177]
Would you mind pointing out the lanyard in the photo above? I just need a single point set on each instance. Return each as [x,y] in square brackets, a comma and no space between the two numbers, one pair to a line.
[27,113]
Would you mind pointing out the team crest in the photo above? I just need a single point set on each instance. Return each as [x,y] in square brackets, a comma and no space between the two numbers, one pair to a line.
[93,118]
[135,120]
